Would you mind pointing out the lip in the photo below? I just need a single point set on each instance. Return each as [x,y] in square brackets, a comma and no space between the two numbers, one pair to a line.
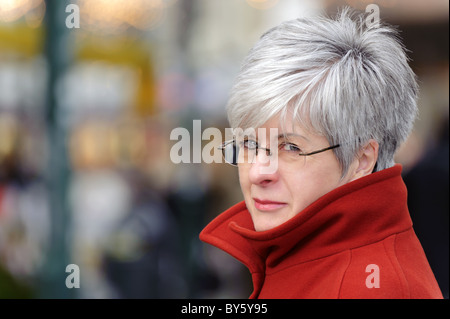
[267,205]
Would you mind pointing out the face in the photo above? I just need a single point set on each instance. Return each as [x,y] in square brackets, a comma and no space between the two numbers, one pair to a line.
[275,196]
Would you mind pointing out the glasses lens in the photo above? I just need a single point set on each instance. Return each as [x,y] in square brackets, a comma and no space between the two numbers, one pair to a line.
[230,153]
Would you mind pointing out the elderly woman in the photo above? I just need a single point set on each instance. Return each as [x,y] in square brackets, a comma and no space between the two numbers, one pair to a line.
[325,103]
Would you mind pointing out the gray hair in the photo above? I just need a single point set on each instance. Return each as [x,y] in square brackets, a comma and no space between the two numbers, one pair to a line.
[346,80]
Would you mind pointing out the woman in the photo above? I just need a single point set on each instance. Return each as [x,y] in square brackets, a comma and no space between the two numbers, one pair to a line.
[325,103]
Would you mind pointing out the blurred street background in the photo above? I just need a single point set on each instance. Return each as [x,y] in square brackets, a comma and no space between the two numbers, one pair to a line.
[85,118]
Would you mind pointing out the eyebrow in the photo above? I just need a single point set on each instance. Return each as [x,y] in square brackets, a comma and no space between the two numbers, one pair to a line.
[284,135]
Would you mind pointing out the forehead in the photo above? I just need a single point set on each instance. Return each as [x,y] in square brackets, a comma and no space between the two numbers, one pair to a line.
[277,128]
[285,127]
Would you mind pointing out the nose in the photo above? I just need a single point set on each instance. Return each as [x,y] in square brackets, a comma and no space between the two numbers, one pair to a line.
[264,169]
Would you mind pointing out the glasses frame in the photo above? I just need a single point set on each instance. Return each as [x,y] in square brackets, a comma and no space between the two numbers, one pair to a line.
[268,153]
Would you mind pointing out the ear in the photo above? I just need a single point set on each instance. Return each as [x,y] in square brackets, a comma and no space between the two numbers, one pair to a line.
[366,160]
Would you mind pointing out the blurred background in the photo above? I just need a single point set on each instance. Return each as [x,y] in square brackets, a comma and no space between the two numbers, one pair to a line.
[85,118]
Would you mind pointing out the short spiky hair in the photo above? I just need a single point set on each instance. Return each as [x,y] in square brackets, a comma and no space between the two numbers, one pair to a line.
[345,80]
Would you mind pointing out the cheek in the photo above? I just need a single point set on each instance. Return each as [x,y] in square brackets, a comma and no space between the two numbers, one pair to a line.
[302,193]
[307,188]
[243,180]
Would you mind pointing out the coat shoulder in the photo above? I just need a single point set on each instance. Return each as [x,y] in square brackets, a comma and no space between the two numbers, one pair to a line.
[393,268]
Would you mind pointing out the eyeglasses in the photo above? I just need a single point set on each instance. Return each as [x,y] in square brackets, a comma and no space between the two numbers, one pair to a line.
[245,151]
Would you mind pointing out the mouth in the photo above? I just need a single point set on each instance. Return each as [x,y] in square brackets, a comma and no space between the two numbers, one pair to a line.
[267,205]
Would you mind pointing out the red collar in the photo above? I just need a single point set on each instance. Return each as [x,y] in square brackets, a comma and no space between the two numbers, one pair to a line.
[358,213]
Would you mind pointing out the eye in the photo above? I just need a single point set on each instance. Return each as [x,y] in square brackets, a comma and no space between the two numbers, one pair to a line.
[250,144]
[289,147]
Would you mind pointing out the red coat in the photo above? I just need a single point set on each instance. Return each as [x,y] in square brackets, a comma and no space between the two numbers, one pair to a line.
[355,242]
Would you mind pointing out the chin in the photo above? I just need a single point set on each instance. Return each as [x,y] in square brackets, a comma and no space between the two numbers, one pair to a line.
[263,223]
